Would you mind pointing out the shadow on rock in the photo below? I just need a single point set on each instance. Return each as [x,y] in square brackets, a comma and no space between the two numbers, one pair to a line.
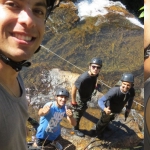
[67,145]
[121,136]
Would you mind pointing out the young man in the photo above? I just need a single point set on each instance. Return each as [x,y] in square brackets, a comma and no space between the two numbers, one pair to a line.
[51,114]
[147,74]
[22,24]
[85,85]
[114,100]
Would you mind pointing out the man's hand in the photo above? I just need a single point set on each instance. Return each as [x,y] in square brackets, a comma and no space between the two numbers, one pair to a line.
[126,114]
[98,88]
[74,104]
[69,112]
[107,110]
[46,109]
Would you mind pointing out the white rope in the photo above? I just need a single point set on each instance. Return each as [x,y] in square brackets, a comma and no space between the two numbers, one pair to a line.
[82,70]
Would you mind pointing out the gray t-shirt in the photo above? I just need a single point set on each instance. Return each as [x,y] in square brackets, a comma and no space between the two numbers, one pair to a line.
[146,99]
[13,117]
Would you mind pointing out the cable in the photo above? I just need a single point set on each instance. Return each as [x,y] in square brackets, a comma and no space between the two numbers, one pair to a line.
[82,70]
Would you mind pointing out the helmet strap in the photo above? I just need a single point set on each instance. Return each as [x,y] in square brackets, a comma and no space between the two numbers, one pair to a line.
[147,52]
[38,49]
[17,66]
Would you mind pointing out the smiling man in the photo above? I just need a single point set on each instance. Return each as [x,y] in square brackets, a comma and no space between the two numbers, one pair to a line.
[114,100]
[22,24]
[85,85]
[52,114]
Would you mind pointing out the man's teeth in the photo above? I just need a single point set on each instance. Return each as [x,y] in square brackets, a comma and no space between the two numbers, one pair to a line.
[23,37]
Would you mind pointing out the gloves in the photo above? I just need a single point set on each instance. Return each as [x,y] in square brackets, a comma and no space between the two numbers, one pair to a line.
[126,115]
[74,106]
[98,88]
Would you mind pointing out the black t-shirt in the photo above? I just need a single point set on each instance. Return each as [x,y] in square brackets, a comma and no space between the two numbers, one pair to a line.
[85,85]
[117,100]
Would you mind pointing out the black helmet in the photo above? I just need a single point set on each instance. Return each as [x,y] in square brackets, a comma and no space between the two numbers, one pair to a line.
[128,77]
[50,5]
[62,91]
[97,61]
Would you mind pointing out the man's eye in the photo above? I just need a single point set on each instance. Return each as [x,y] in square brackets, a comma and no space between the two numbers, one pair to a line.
[39,12]
[12,4]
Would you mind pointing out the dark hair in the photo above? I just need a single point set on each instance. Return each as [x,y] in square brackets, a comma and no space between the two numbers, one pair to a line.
[50,6]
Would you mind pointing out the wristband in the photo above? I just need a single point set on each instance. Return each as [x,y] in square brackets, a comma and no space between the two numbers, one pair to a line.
[74,103]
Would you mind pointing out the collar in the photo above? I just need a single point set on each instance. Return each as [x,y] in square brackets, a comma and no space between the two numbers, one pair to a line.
[122,91]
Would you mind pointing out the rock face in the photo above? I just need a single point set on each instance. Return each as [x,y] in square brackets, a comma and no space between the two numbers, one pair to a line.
[123,134]
[70,43]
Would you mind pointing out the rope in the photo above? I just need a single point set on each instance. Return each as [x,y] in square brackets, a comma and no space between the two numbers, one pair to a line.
[82,70]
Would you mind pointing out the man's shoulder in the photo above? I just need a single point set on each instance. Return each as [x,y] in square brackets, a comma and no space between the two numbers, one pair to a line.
[113,91]
[132,91]
[83,76]
[115,88]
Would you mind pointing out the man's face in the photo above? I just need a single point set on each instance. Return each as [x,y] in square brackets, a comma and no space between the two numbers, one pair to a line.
[21,27]
[94,68]
[61,100]
[125,86]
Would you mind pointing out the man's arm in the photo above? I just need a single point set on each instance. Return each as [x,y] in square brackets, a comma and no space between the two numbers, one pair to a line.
[74,91]
[101,102]
[129,104]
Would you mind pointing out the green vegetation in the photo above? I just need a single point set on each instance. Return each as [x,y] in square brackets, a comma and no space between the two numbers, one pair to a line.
[142,13]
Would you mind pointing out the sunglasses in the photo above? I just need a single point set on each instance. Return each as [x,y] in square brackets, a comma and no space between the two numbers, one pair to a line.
[97,67]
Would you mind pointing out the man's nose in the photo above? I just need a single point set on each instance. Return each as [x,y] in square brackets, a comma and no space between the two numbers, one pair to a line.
[26,17]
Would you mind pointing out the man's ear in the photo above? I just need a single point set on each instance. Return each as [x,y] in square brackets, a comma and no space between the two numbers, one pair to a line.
[89,67]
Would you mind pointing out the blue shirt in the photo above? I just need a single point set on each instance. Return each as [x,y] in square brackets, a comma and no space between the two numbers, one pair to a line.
[49,127]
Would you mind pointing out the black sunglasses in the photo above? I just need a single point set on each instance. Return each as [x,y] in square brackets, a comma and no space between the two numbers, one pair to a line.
[97,67]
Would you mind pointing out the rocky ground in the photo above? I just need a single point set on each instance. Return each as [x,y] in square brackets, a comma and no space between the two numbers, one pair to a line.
[125,135]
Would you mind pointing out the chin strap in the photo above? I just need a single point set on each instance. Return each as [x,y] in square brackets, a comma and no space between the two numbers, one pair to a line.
[39,48]
[147,52]
[17,66]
